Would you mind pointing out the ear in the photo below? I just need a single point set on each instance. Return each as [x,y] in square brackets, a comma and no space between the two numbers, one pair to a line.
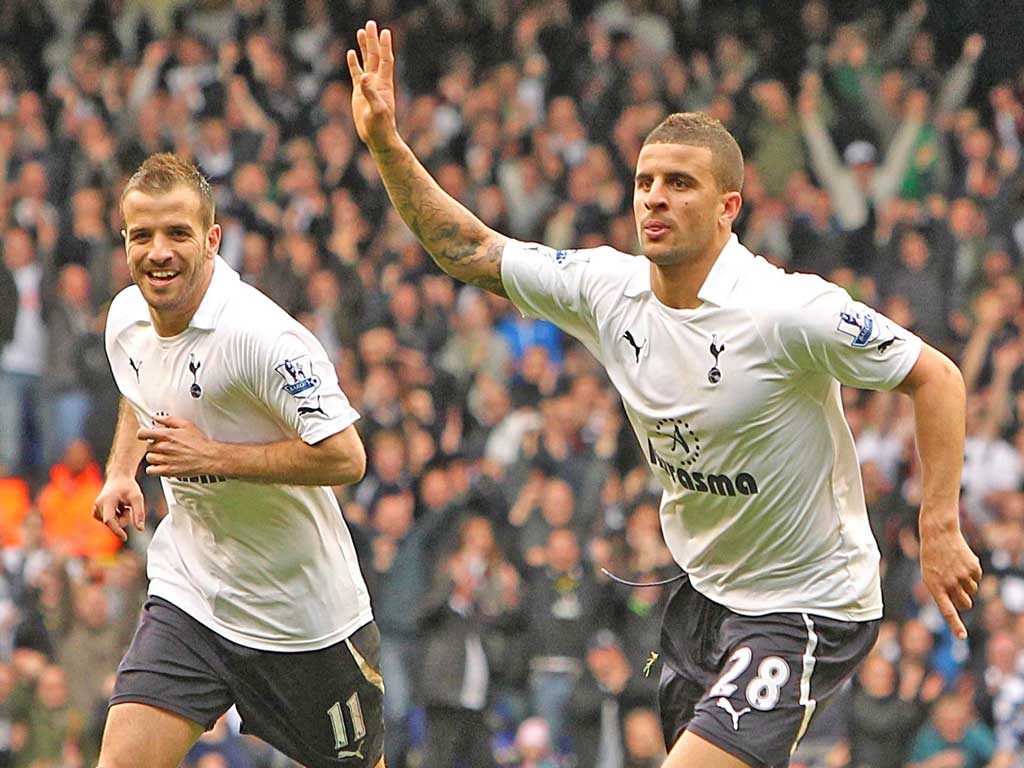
[731,204]
[213,241]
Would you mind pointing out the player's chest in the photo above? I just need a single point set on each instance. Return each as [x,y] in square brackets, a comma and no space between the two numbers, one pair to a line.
[713,367]
[184,378]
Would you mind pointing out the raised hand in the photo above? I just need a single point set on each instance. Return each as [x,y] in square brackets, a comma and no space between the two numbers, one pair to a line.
[373,87]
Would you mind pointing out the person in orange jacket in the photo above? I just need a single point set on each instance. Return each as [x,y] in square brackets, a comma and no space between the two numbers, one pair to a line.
[66,506]
[14,505]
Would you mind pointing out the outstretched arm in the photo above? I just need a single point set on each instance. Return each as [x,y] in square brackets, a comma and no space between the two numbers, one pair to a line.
[461,244]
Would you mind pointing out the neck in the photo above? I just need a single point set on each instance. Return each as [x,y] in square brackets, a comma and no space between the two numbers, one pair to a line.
[171,322]
[677,285]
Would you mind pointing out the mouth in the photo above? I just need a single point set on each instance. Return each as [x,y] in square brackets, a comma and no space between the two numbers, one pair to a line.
[161,278]
[655,230]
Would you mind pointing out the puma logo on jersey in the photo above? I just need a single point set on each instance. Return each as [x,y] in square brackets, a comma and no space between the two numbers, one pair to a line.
[305,409]
[345,754]
[888,343]
[637,348]
[725,704]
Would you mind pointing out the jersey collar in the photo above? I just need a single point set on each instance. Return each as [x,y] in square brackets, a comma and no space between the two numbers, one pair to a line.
[717,285]
[222,285]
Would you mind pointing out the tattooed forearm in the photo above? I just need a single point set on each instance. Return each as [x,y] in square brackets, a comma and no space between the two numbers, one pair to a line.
[461,244]
[489,282]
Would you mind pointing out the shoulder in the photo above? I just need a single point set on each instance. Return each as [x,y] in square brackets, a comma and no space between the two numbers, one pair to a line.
[251,313]
[601,259]
[256,329]
[127,308]
[774,295]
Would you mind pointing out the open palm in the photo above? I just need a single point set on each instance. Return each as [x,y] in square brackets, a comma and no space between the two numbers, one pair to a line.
[373,86]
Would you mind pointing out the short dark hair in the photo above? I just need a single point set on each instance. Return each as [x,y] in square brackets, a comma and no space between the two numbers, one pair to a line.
[698,129]
[163,172]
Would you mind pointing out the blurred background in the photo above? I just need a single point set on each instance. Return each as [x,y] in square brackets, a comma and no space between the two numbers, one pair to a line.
[883,147]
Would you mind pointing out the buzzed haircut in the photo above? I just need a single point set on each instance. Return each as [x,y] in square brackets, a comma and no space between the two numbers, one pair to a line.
[698,129]
[165,171]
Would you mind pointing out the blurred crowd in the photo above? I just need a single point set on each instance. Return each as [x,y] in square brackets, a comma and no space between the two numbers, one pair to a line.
[883,145]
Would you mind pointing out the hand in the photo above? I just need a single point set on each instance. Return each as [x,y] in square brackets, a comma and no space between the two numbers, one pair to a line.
[156,53]
[951,572]
[373,87]
[917,105]
[973,46]
[1007,160]
[807,102]
[178,449]
[933,685]
[1007,358]
[911,677]
[119,504]
[989,311]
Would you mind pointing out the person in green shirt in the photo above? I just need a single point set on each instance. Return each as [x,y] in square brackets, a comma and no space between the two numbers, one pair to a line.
[953,738]
[50,728]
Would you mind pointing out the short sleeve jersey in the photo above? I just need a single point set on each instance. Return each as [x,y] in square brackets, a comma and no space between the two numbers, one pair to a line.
[267,566]
[737,408]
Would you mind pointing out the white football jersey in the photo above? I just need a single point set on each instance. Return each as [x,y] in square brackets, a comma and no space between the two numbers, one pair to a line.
[267,566]
[737,407]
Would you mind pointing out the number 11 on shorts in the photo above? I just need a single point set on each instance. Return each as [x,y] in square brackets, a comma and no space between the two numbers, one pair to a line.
[355,713]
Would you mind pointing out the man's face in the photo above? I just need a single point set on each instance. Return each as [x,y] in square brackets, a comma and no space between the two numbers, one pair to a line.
[677,202]
[17,250]
[170,253]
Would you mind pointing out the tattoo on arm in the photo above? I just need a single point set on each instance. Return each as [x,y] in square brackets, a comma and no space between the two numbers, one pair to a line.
[461,244]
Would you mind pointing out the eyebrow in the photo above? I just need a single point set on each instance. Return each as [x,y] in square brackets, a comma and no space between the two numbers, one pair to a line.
[671,176]
[174,226]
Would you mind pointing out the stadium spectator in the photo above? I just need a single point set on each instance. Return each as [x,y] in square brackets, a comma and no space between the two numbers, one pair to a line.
[473,604]
[48,729]
[643,747]
[952,736]
[23,358]
[533,745]
[398,555]
[66,504]
[606,691]
[886,710]
[15,501]
[6,715]
[564,605]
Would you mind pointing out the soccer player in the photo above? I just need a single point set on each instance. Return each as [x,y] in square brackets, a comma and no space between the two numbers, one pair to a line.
[729,370]
[255,594]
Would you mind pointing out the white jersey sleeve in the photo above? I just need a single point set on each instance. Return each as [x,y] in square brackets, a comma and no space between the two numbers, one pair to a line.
[822,329]
[550,284]
[291,373]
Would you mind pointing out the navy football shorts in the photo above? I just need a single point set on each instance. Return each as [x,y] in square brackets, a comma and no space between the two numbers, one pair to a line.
[751,684]
[321,708]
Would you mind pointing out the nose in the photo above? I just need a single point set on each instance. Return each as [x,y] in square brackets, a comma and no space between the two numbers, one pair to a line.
[654,198]
[161,247]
